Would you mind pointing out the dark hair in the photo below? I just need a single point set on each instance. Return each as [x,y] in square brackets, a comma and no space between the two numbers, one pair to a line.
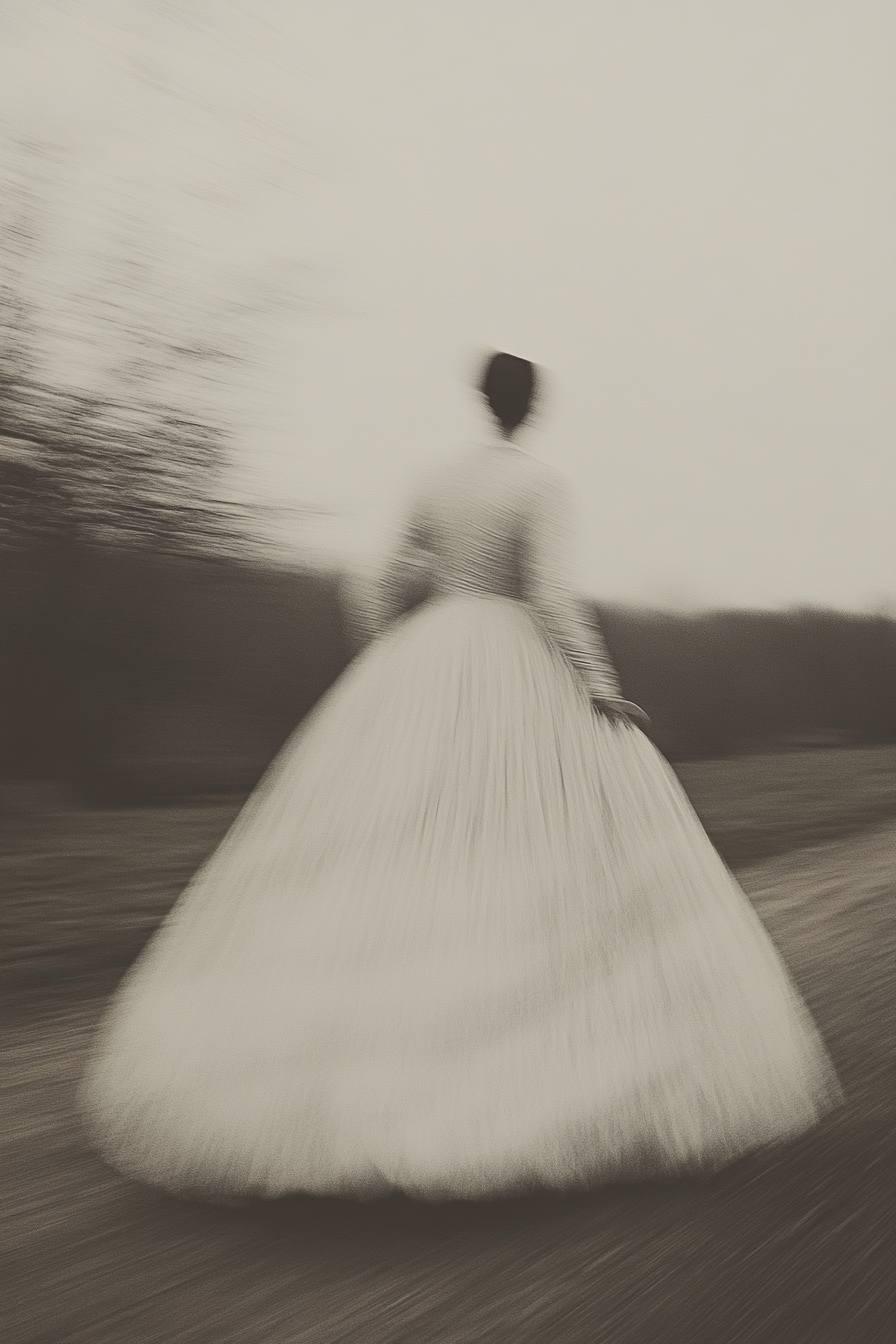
[509,385]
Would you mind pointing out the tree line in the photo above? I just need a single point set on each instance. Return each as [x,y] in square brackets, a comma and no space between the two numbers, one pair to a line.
[140,674]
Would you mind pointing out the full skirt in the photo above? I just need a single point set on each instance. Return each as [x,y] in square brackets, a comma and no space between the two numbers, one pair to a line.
[467,938]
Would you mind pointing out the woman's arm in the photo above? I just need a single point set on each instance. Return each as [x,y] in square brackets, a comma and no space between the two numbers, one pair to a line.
[374,601]
[550,590]
[408,572]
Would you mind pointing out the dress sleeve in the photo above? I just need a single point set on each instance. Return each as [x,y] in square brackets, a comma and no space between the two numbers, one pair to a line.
[550,591]
[408,571]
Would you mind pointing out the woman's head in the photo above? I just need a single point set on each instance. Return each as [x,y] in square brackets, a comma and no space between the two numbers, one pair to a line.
[509,385]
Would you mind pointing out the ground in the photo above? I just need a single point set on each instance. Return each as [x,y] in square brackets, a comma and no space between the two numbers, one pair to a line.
[788,1247]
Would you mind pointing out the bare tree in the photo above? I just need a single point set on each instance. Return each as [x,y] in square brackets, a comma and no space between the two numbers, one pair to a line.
[136,450]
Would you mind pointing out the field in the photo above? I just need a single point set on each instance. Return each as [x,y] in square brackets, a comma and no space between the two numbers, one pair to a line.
[793,1246]
[756,806]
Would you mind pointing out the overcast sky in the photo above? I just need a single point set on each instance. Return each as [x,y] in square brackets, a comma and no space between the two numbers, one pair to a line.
[684,211]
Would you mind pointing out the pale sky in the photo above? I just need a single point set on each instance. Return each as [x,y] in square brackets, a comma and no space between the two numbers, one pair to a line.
[684,211]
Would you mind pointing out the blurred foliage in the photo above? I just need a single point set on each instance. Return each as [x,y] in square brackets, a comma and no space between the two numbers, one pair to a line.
[130,449]
[101,463]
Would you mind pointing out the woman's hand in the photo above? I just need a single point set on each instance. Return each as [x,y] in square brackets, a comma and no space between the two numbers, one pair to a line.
[622,711]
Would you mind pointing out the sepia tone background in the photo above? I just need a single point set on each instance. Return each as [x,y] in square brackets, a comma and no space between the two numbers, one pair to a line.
[251,255]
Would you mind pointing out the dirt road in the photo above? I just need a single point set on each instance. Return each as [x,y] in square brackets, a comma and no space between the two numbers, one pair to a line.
[789,1248]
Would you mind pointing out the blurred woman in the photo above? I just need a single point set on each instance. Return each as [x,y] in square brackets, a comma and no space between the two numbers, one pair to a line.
[468,937]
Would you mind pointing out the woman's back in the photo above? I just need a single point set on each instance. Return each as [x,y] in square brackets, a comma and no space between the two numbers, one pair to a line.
[473,523]
[494,523]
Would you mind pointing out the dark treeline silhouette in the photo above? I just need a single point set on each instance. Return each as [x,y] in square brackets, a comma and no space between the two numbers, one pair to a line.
[141,675]
[144,676]
[193,672]
[720,682]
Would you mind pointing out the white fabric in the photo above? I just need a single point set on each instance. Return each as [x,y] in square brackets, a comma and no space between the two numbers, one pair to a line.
[467,938]
[496,521]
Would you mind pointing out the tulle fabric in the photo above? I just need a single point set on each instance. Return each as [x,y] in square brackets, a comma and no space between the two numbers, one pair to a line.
[466,939]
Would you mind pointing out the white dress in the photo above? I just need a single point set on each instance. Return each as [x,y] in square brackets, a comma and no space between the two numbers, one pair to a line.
[468,937]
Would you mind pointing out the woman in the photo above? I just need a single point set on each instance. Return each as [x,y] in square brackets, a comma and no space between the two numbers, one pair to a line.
[468,936]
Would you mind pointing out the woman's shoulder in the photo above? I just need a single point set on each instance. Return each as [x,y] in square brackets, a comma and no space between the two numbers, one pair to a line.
[541,483]
[508,478]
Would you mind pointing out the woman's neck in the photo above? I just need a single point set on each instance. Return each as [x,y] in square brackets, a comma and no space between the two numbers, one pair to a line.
[504,438]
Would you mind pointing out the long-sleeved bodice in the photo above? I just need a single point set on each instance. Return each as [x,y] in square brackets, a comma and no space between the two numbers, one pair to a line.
[495,522]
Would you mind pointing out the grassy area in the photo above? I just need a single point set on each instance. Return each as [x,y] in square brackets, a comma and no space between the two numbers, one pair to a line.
[83,889]
[757,806]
